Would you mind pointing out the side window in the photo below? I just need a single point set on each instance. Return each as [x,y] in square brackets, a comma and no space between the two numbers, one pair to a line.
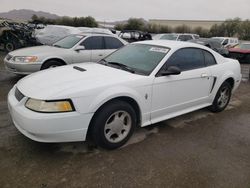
[188,37]
[181,38]
[187,59]
[93,43]
[209,58]
[112,43]
[185,37]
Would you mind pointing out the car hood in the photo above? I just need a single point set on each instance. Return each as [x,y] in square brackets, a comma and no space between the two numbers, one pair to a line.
[238,50]
[37,50]
[66,81]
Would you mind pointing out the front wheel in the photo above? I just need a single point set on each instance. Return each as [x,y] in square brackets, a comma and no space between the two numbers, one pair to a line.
[113,125]
[222,98]
[9,46]
[51,64]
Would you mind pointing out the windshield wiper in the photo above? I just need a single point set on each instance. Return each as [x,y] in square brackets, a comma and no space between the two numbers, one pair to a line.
[124,67]
[103,61]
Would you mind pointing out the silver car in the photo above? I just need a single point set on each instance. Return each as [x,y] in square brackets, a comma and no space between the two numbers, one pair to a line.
[71,49]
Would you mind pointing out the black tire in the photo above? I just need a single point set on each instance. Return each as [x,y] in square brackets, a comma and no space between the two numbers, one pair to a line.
[51,64]
[220,104]
[99,130]
[9,46]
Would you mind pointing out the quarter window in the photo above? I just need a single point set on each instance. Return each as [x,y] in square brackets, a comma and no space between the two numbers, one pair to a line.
[112,43]
[93,43]
[209,59]
[187,59]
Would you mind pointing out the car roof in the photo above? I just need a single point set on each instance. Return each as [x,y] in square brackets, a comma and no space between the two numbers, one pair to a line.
[178,34]
[171,44]
[93,33]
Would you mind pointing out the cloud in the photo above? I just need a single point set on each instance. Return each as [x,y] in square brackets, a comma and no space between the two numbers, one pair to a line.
[119,10]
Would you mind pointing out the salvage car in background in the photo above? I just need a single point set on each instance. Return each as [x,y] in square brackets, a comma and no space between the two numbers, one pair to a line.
[241,52]
[227,42]
[213,44]
[176,36]
[16,35]
[134,35]
[52,33]
[138,85]
[71,49]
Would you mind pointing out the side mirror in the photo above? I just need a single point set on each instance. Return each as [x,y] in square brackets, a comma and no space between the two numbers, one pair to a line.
[113,31]
[172,70]
[79,48]
[225,42]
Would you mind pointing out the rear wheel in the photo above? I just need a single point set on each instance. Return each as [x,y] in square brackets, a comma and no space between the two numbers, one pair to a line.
[113,125]
[222,98]
[51,64]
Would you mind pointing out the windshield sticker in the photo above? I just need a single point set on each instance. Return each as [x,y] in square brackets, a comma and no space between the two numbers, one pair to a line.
[161,50]
[78,36]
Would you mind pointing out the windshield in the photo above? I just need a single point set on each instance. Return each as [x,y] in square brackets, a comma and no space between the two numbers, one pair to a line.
[140,58]
[244,46]
[220,40]
[169,37]
[69,41]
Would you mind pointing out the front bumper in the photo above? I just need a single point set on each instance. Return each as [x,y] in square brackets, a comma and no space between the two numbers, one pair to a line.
[48,127]
[22,68]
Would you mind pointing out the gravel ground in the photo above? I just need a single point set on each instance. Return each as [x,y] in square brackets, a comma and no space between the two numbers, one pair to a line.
[200,149]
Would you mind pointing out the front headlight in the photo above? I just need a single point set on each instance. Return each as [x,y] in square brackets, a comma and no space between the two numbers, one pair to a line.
[50,106]
[25,59]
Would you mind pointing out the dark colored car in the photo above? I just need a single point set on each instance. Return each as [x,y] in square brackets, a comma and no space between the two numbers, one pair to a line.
[16,35]
[134,35]
[213,44]
[241,53]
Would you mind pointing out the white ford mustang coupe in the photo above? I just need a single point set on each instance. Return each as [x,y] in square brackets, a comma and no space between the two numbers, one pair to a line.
[137,85]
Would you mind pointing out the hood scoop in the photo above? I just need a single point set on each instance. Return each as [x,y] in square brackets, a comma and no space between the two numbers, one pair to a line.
[79,68]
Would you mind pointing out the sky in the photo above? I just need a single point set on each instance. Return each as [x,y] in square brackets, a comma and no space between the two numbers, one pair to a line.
[114,10]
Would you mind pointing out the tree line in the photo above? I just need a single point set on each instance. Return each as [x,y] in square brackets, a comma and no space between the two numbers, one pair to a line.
[230,28]
[65,20]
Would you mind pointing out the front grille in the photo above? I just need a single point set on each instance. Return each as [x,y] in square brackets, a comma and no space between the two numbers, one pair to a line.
[19,96]
[8,57]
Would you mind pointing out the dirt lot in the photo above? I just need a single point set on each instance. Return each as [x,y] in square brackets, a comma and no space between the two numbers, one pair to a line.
[200,149]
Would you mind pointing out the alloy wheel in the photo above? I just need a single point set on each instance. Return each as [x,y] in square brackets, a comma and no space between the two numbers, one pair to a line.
[118,126]
[224,97]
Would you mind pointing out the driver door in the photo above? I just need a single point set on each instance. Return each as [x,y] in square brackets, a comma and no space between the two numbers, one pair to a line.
[81,56]
[93,52]
[175,94]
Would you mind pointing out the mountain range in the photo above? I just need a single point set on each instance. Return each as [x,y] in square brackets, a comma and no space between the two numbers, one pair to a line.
[26,14]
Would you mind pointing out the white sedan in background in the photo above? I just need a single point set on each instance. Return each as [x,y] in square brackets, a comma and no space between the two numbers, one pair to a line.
[138,85]
[77,48]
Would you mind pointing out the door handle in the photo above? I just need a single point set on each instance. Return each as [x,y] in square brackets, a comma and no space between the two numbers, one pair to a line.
[204,75]
[100,55]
